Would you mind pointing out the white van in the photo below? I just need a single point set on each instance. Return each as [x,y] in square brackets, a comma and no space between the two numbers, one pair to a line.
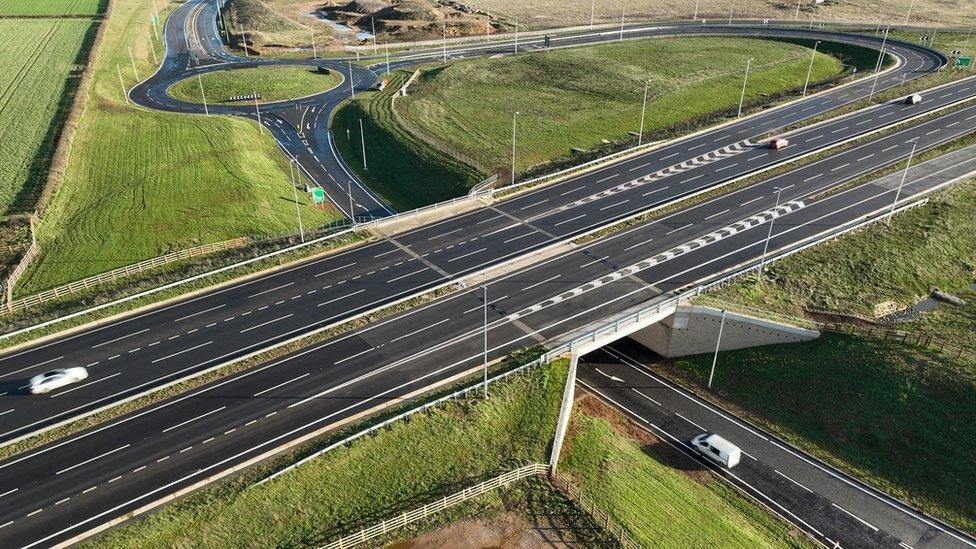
[717,449]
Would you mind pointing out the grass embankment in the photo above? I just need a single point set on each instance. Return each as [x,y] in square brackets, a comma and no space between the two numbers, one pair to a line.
[660,495]
[403,168]
[568,99]
[41,58]
[140,183]
[49,7]
[270,83]
[923,247]
[576,98]
[890,413]
[375,478]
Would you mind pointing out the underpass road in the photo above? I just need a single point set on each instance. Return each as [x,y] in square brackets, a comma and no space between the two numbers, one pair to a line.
[817,498]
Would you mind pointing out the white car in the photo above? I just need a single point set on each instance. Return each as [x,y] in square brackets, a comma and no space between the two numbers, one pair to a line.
[914,99]
[55,379]
[717,449]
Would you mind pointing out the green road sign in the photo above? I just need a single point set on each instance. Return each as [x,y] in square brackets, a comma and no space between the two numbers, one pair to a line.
[155,19]
[964,62]
[318,195]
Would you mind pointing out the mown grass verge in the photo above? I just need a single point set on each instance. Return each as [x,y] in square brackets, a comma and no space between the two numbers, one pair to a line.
[403,168]
[271,83]
[889,413]
[351,487]
[661,496]
[140,183]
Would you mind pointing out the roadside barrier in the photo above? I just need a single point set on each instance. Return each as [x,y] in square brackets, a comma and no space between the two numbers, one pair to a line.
[420,513]
[14,305]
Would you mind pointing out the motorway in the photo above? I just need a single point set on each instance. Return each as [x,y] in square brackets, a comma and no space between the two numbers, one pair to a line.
[828,504]
[219,326]
[67,487]
[62,489]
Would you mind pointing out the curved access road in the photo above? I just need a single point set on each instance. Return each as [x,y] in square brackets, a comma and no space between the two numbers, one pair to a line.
[301,126]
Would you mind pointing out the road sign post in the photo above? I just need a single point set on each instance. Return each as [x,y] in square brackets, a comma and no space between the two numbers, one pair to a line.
[318,195]
[964,62]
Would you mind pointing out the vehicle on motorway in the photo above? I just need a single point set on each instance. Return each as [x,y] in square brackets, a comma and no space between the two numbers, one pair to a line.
[778,143]
[717,449]
[913,99]
[55,379]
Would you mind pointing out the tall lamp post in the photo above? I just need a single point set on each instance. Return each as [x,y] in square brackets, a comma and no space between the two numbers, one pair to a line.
[484,290]
[904,176]
[640,135]
[769,236]
[514,119]
[745,81]
[810,68]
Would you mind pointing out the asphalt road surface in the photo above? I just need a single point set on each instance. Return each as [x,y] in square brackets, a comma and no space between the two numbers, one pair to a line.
[821,500]
[75,484]
[67,487]
[223,325]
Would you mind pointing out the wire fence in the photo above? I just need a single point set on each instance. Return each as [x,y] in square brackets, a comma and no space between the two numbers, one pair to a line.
[589,506]
[921,339]
[20,269]
[14,305]
[420,513]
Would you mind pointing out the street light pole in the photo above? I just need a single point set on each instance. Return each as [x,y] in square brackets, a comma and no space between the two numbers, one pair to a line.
[796,16]
[731,11]
[352,89]
[810,69]
[718,343]
[742,98]
[877,70]
[258,111]
[514,118]
[444,42]
[640,135]
[362,140]
[484,290]
[125,95]
[769,235]
[387,58]
[243,39]
[352,212]
[298,211]
[592,11]
[516,36]
[133,62]
[314,53]
[206,110]
[695,16]
[622,13]
[909,14]
[904,176]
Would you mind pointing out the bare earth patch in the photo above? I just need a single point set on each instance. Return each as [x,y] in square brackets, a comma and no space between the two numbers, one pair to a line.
[507,531]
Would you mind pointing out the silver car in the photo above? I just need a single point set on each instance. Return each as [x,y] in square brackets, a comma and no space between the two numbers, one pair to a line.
[55,379]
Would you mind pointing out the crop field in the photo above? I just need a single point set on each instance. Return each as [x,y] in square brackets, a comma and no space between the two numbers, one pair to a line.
[270,83]
[40,58]
[577,98]
[51,7]
[141,183]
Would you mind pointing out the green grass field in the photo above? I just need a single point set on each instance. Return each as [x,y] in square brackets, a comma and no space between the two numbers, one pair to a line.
[923,247]
[577,97]
[891,413]
[40,58]
[271,83]
[403,168]
[658,502]
[375,478]
[51,7]
[140,183]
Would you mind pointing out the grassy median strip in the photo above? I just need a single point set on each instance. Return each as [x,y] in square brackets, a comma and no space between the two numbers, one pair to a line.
[352,487]
[663,497]
[271,83]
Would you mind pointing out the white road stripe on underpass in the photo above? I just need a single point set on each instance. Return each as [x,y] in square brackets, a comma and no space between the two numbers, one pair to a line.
[87,461]
[120,338]
[269,389]
[862,521]
[201,416]
[793,481]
